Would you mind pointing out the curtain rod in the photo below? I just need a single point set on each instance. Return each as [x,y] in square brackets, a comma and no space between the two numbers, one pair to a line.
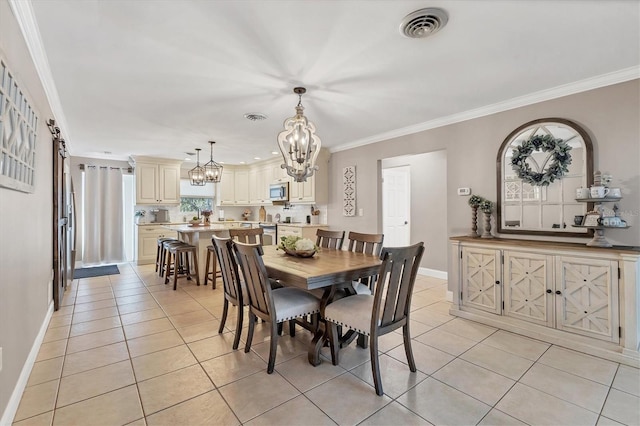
[127,169]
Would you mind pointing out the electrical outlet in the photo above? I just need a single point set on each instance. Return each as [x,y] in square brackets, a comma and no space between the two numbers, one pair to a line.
[360,212]
[464,191]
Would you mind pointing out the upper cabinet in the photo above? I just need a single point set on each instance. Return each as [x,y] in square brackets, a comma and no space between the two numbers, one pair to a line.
[249,185]
[157,181]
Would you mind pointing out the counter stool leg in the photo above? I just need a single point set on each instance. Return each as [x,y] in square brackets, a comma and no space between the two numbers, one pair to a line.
[195,267]
[206,269]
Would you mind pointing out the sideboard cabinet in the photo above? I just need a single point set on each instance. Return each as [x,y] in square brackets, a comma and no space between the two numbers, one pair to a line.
[569,294]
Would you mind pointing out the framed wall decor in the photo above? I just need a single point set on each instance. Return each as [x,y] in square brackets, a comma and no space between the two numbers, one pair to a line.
[18,127]
[349,191]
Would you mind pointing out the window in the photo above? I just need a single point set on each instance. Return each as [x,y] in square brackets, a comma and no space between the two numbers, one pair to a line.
[192,204]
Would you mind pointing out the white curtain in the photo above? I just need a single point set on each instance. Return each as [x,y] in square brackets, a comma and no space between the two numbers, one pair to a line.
[103,240]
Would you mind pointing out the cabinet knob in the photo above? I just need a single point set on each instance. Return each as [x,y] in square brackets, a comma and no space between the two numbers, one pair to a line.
[498,282]
[549,291]
[558,292]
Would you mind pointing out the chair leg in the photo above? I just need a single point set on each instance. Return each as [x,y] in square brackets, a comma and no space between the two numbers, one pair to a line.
[252,325]
[214,262]
[195,267]
[273,346]
[279,328]
[375,365]
[292,328]
[407,347]
[175,271]
[223,320]
[236,340]
[334,343]
[206,267]
[362,341]
[167,267]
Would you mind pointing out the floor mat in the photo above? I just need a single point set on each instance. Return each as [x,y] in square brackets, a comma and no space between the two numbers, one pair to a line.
[96,271]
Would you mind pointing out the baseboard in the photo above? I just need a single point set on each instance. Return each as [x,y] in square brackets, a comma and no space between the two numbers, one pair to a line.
[433,273]
[18,390]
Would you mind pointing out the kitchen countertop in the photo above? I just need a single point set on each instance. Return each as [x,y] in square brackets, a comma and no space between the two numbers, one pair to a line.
[303,225]
[193,229]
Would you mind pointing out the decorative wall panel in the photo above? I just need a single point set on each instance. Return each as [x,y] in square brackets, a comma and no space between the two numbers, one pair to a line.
[18,126]
[349,191]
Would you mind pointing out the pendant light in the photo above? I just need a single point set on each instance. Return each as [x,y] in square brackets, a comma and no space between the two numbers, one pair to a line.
[212,170]
[299,144]
[196,175]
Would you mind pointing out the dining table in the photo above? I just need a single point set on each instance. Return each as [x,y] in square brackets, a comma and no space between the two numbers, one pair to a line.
[326,270]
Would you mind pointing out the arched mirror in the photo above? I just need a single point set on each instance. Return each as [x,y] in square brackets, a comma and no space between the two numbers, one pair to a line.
[540,166]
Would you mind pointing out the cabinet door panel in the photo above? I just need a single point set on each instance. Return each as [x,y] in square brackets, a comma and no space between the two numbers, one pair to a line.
[588,299]
[527,277]
[226,194]
[146,179]
[481,277]
[169,184]
[241,186]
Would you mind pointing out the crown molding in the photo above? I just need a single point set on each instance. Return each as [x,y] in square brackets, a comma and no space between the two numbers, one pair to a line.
[603,80]
[25,16]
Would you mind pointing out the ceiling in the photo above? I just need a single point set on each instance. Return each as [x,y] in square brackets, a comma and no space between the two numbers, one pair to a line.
[161,78]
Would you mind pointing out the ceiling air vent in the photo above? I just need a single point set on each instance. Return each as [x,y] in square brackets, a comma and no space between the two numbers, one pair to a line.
[423,23]
[255,116]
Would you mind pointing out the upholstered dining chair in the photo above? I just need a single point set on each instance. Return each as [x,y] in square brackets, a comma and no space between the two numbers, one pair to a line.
[235,291]
[247,235]
[271,305]
[329,239]
[385,311]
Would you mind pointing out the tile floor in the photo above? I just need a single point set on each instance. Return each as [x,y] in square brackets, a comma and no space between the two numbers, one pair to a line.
[126,349]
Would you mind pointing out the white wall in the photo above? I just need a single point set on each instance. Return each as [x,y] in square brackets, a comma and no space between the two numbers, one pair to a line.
[25,226]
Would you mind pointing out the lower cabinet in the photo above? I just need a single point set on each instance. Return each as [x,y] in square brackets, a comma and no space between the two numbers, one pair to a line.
[299,231]
[569,289]
[147,242]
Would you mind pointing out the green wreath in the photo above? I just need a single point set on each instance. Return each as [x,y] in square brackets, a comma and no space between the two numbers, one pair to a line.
[559,157]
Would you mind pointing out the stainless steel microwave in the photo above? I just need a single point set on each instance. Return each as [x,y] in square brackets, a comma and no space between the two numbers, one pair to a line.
[279,191]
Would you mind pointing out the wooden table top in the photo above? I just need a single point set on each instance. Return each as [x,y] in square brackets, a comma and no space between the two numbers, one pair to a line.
[326,268]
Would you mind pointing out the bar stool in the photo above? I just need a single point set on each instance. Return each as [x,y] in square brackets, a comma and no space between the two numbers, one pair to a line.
[160,253]
[211,259]
[180,254]
[166,267]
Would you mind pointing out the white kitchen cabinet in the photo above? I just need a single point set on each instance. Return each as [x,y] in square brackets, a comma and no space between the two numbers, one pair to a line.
[259,180]
[303,192]
[157,182]
[563,293]
[299,230]
[147,242]
[234,187]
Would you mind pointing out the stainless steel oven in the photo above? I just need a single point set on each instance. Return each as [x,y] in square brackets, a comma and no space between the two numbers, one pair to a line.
[269,236]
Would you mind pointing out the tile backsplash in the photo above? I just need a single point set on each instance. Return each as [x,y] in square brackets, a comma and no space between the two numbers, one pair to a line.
[297,213]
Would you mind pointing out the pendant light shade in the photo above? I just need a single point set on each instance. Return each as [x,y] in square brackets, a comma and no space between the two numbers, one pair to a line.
[212,170]
[299,143]
[197,174]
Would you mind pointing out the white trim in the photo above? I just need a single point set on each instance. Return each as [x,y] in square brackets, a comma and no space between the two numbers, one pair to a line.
[433,273]
[18,390]
[26,18]
[608,79]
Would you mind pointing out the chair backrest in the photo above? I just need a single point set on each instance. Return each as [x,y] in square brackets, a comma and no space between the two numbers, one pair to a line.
[366,243]
[229,268]
[247,235]
[397,277]
[256,279]
[330,239]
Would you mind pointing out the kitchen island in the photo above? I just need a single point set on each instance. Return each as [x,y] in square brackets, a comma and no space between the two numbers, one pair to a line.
[200,236]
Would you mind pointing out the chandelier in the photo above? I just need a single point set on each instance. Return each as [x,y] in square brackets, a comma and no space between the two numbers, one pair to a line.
[299,143]
[212,170]
[197,174]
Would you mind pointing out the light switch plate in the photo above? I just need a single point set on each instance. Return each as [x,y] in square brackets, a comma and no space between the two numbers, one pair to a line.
[464,191]
[0,358]
[360,212]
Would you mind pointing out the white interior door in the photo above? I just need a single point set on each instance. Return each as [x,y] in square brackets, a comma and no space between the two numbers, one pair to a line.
[396,206]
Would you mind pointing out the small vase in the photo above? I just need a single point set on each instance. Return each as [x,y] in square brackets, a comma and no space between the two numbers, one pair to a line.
[486,231]
[474,222]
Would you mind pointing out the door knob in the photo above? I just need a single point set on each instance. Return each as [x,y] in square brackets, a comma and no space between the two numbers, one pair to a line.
[406,223]
[558,292]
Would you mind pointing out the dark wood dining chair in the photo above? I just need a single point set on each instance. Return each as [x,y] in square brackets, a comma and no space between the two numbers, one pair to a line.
[369,244]
[329,239]
[271,305]
[234,288]
[247,235]
[385,311]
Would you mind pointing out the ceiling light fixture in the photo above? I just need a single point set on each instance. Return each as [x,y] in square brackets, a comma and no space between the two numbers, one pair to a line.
[212,170]
[299,143]
[196,175]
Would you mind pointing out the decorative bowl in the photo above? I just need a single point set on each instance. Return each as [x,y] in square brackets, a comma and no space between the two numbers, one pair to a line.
[299,253]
